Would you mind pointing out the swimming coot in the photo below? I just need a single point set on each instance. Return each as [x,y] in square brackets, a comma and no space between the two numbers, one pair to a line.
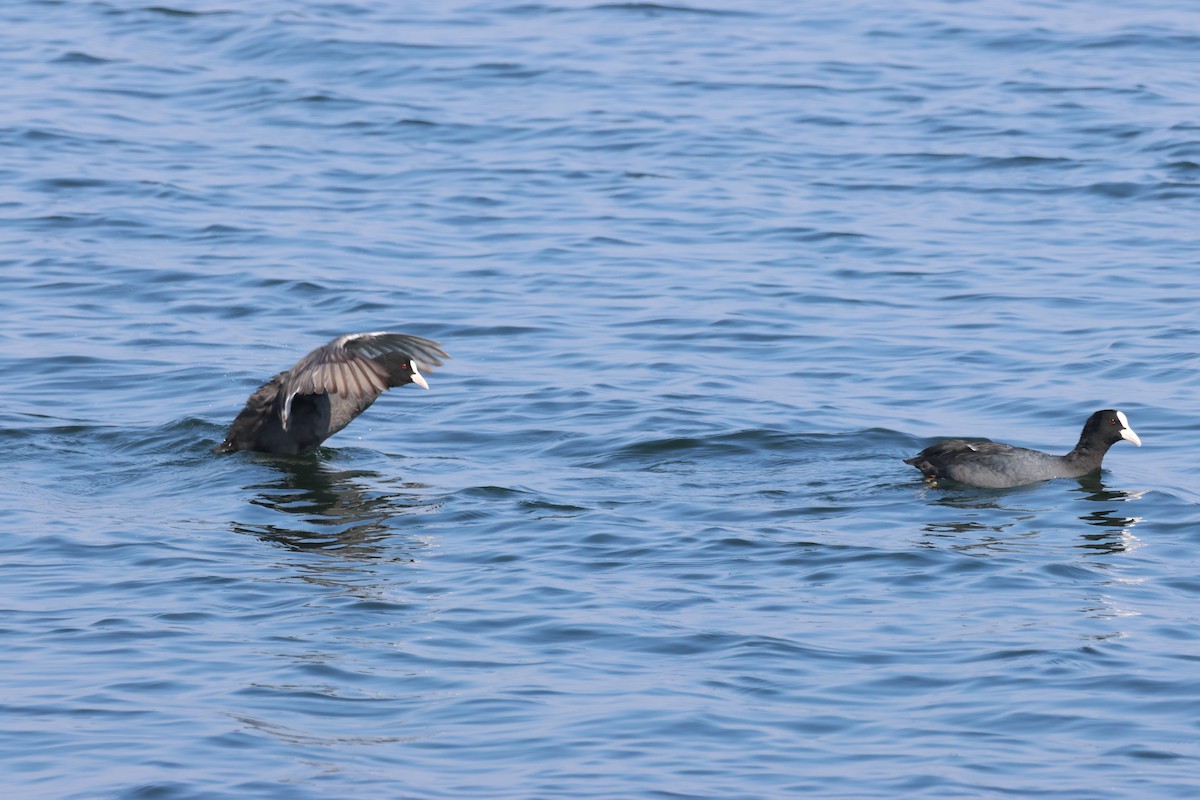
[325,390]
[992,465]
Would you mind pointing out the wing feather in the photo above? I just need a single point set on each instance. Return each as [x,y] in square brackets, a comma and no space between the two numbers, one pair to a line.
[426,352]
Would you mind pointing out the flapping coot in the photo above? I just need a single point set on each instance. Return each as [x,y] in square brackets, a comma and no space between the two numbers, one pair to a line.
[325,390]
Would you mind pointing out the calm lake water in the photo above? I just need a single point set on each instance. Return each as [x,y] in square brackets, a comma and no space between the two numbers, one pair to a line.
[709,272]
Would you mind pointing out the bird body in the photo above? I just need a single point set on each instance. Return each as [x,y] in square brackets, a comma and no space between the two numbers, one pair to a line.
[326,389]
[993,465]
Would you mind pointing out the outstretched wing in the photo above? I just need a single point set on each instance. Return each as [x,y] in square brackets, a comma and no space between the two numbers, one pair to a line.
[347,366]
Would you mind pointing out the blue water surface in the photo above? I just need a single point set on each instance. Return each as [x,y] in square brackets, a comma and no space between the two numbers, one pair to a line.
[709,271]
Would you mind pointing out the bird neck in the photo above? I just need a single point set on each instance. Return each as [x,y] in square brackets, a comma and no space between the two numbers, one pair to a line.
[1088,452]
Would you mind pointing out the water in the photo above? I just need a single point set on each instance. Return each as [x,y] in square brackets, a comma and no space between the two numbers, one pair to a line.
[708,273]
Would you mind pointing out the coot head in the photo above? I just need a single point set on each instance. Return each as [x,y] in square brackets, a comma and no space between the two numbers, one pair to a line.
[1108,427]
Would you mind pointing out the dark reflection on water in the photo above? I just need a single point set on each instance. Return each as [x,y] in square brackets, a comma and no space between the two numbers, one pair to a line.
[1013,513]
[1116,533]
[321,507]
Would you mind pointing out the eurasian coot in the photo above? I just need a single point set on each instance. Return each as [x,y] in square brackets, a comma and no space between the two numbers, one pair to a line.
[325,390]
[992,465]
